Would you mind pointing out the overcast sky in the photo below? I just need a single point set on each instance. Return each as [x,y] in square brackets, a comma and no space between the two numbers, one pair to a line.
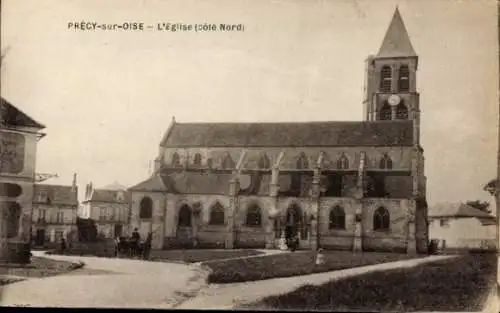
[107,97]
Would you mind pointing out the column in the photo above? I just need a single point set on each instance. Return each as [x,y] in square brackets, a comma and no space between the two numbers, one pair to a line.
[358,231]
[315,192]
[411,246]
[273,210]
[157,225]
[196,220]
[411,243]
[234,187]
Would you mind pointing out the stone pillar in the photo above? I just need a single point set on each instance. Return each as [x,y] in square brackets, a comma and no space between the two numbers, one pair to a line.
[195,223]
[313,238]
[157,227]
[234,187]
[273,210]
[315,192]
[411,243]
[358,230]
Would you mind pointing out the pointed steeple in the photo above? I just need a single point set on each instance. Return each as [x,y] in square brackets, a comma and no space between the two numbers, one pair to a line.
[396,41]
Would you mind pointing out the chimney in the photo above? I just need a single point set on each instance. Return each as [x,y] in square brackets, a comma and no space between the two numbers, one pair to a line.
[73,186]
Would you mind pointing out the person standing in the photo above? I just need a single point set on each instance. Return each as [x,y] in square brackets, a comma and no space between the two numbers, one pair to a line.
[147,246]
[63,245]
[135,242]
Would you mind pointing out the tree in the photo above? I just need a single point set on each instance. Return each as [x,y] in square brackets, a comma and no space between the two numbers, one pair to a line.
[492,187]
[480,205]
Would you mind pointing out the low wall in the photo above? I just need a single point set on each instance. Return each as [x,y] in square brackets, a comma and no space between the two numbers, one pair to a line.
[103,249]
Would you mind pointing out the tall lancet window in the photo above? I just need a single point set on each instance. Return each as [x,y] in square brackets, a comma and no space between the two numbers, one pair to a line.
[176,160]
[404,79]
[302,162]
[385,162]
[401,111]
[386,79]
[385,112]
[264,162]
[228,162]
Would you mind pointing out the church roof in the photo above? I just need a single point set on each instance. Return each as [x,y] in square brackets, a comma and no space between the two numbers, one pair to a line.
[154,183]
[186,183]
[396,42]
[12,116]
[298,134]
[447,209]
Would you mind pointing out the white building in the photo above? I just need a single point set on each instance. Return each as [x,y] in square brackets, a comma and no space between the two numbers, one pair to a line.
[54,213]
[462,227]
[108,207]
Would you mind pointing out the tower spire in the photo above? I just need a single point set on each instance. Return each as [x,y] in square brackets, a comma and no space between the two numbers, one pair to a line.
[396,42]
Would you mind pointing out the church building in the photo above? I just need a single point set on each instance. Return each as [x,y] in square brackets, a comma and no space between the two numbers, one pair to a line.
[347,185]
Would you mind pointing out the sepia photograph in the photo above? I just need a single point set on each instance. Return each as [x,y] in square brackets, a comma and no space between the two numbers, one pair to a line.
[305,155]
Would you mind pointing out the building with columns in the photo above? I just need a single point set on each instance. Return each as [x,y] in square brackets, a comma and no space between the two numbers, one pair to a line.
[350,185]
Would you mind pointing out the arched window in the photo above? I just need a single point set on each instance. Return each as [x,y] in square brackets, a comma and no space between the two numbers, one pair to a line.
[302,162]
[217,214]
[385,112]
[401,111]
[254,217]
[385,79]
[264,162]
[184,216]
[228,162]
[197,159]
[343,162]
[209,163]
[404,78]
[146,208]
[176,160]
[381,219]
[337,218]
[13,218]
[385,162]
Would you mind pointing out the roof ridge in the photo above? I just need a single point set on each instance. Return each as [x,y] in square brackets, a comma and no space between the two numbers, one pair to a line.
[296,122]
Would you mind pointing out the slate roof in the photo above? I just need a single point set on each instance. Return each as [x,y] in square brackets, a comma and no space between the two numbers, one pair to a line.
[153,184]
[396,42]
[12,116]
[106,195]
[186,183]
[306,134]
[447,209]
[55,194]
[114,186]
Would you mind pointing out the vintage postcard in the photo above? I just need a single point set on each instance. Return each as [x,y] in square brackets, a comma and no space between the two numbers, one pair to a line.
[329,155]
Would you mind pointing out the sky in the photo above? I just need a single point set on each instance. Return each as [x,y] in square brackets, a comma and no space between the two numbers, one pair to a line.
[107,97]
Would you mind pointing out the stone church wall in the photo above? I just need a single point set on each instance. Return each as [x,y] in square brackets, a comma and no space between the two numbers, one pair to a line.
[341,239]
[213,236]
[395,238]
[401,156]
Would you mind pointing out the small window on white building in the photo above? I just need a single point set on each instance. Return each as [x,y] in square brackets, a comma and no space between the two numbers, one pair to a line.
[444,222]
[102,214]
[60,217]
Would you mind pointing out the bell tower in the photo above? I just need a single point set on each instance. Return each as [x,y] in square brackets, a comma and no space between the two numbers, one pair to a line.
[390,87]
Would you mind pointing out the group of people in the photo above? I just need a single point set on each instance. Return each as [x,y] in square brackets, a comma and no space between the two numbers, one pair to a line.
[133,245]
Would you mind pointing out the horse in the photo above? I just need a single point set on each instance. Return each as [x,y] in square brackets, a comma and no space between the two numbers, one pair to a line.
[127,247]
